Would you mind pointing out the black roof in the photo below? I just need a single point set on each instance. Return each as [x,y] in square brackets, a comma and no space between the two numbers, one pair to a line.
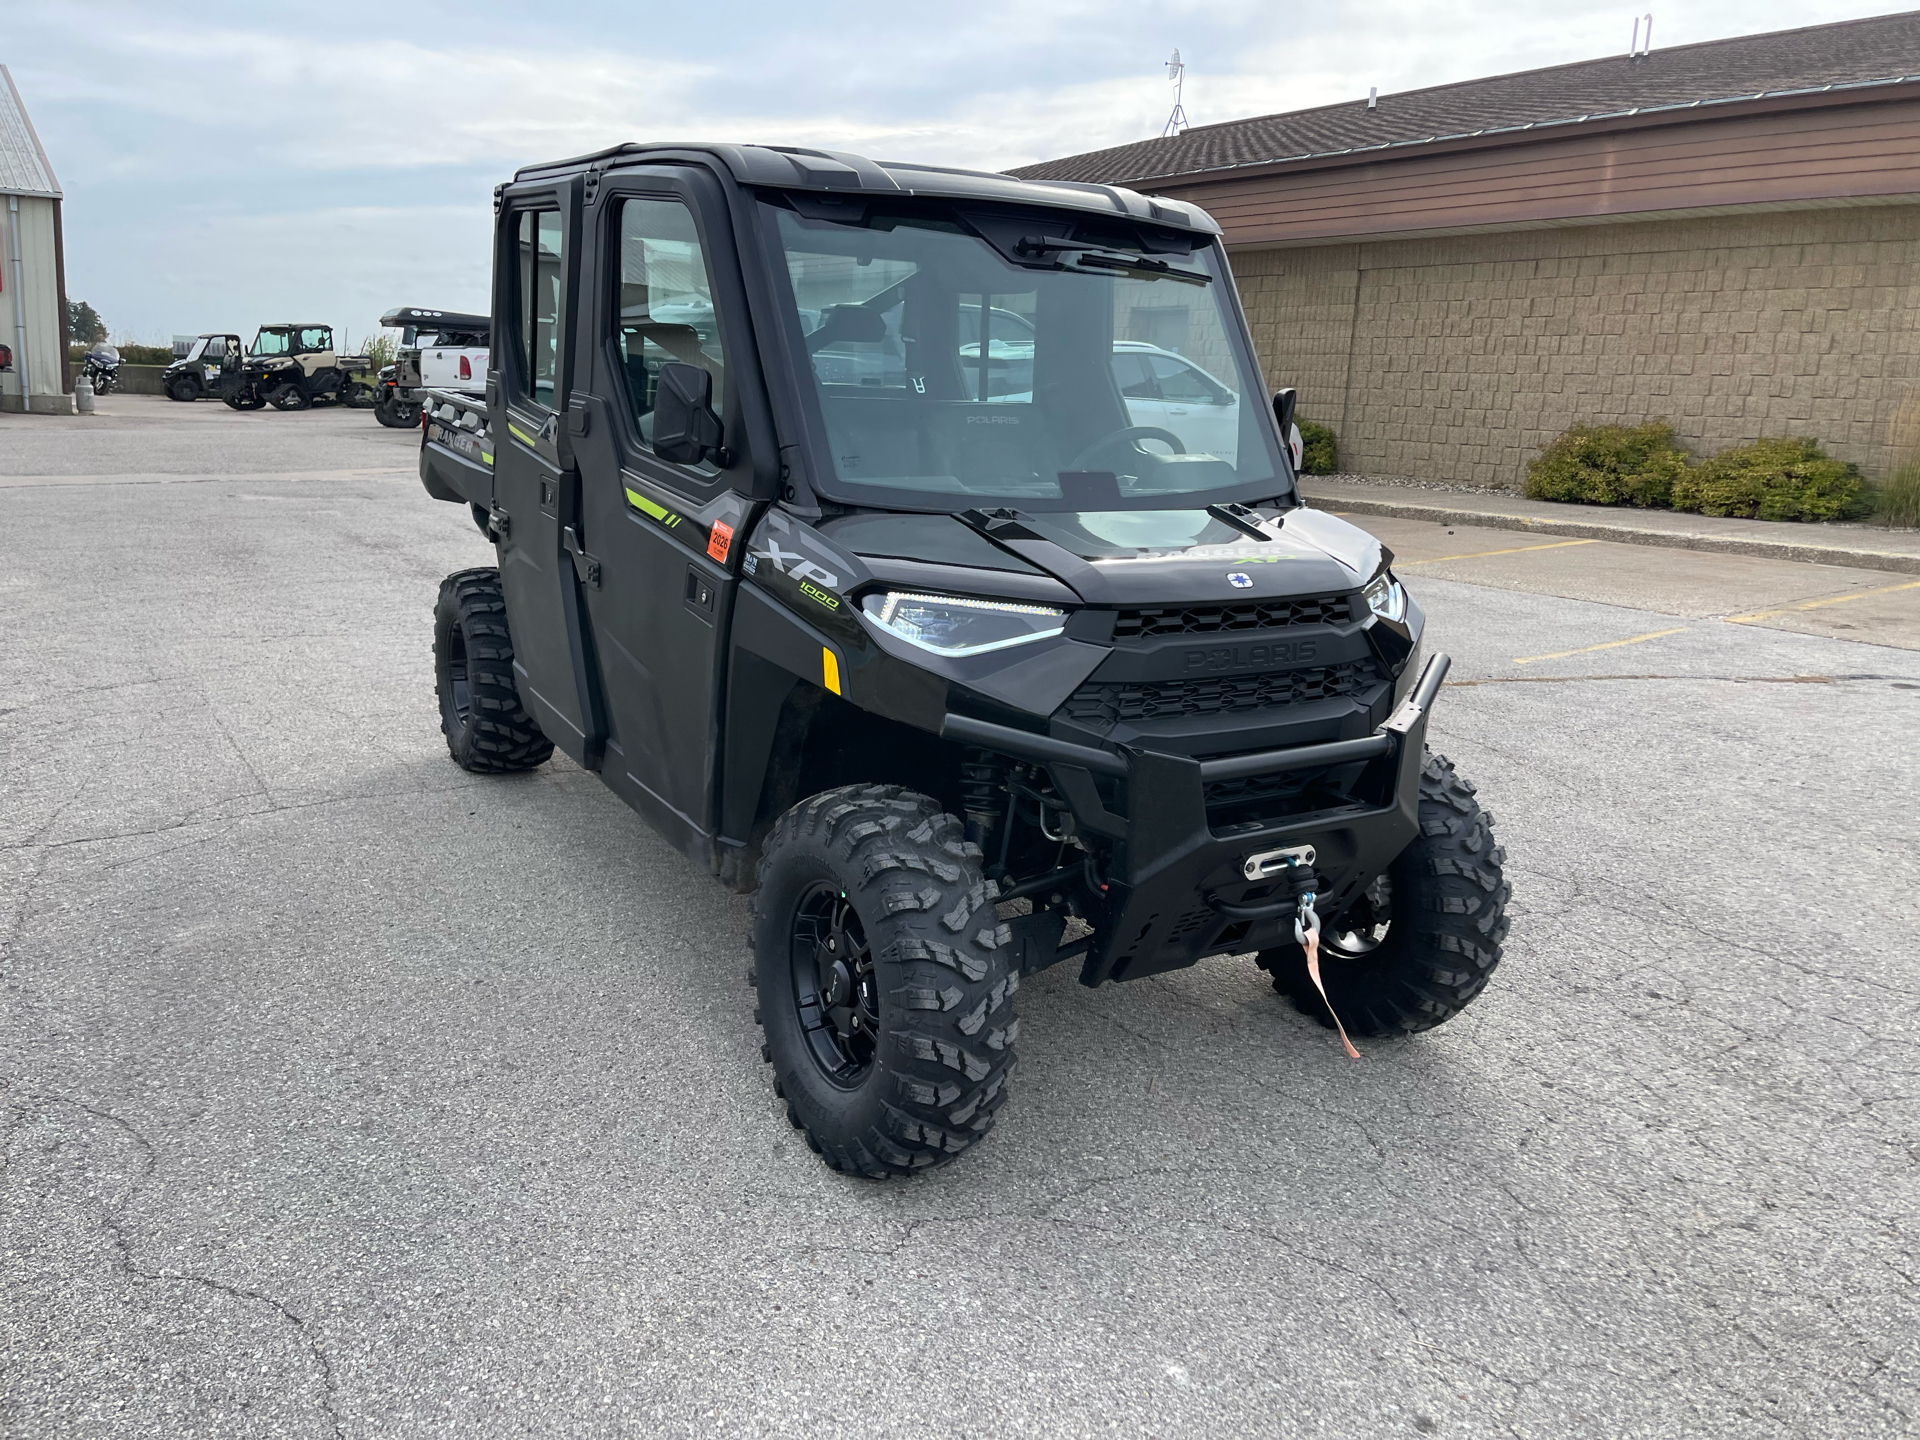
[788,168]
[1878,50]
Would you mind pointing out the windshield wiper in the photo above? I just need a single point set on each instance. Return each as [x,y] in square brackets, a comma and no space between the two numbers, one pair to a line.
[1100,260]
[1075,252]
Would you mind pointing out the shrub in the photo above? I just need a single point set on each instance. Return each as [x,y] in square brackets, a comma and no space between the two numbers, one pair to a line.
[1898,501]
[145,354]
[1319,451]
[1787,478]
[1609,465]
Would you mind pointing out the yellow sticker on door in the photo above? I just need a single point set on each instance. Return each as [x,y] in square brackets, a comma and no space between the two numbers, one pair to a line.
[830,670]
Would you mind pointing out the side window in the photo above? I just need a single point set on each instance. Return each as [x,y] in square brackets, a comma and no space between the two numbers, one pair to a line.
[537,303]
[664,308]
[314,339]
[1130,373]
[1181,383]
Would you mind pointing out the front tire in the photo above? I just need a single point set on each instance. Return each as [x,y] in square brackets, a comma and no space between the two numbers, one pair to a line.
[1420,944]
[885,980]
[184,390]
[288,397]
[397,415]
[488,730]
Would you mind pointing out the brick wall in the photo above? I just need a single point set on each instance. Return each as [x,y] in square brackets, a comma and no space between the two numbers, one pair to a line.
[1457,358]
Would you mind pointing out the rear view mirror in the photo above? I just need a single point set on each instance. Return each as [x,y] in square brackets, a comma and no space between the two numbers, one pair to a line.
[685,429]
[848,325]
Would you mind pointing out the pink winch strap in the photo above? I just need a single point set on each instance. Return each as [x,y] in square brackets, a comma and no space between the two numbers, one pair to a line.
[1313,974]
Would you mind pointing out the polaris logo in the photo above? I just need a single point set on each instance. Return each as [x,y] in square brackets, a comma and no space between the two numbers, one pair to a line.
[1245,657]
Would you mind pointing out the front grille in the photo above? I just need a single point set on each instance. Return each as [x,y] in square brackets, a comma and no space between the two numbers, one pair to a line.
[1143,624]
[1102,705]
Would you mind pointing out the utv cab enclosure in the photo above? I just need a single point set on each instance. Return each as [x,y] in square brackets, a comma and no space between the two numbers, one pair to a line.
[827,536]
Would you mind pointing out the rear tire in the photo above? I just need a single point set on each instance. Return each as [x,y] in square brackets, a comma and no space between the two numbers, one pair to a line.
[396,415]
[358,396]
[1434,950]
[892,1044]
[488,730]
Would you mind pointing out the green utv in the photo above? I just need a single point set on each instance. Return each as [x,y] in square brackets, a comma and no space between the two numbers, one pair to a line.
[845,529]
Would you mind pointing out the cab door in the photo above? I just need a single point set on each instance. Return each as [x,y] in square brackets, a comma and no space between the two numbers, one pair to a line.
[534,480]
[666,538]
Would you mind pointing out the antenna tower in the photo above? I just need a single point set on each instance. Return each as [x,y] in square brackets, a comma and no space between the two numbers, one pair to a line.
[1177,73]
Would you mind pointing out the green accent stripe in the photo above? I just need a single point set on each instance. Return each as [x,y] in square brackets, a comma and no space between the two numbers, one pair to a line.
[486,457]
[520,435]
[658,512]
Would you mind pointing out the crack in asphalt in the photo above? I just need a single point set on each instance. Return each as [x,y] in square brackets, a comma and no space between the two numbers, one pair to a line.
[113,1221]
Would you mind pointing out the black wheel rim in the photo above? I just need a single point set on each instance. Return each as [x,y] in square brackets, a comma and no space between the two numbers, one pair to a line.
[1362,928]
[834,987]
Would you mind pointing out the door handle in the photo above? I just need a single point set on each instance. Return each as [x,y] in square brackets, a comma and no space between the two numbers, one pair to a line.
[585,567]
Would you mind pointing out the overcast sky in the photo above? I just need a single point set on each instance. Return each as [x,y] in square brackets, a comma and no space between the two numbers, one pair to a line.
[327,163]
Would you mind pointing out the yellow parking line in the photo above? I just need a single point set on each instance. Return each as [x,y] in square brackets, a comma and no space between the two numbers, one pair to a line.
[1480,554]
[1816,604]
[1609,645]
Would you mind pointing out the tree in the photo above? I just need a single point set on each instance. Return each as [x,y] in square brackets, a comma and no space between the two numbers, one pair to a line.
[84,323]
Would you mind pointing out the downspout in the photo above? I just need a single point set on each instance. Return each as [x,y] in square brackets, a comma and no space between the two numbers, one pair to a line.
[60,297]
[19,303]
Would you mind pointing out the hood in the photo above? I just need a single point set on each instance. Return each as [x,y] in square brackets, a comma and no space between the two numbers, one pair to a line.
[1134,556]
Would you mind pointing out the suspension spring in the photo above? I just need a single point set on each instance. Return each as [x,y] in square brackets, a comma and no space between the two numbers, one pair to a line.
[983,794]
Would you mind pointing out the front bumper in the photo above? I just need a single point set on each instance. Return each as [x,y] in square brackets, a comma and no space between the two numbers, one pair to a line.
[1176,891]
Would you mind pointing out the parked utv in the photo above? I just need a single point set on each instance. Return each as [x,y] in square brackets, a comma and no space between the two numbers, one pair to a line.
[293,366]
[444,349]
[891,609]
[210,367]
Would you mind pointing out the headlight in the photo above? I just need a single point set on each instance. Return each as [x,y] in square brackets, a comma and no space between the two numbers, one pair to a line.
[950,626]
[1385,597]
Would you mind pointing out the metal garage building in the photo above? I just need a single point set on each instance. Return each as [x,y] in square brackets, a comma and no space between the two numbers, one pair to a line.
[1724,235]
[33,302]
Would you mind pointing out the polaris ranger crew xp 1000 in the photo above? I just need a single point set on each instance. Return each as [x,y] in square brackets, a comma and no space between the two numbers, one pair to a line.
[838,531]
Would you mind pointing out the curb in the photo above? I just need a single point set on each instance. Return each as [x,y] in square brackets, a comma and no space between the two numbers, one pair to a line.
[1624,534]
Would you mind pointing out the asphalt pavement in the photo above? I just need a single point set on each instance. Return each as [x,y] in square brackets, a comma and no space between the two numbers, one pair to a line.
[347,1094]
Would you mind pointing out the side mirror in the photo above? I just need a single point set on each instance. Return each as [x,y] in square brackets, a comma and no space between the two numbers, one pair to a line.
[1284,402]
[685,429]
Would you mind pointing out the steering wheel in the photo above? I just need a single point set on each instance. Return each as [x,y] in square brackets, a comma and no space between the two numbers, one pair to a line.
[1130,432]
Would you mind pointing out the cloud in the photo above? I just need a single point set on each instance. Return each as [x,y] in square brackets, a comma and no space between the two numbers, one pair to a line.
[256,132]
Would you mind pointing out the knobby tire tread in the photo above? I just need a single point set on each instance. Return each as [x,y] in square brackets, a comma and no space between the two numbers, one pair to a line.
[497,736]
[1449,920]
[946,970]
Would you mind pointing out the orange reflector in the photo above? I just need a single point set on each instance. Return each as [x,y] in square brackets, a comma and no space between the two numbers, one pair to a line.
[830,668]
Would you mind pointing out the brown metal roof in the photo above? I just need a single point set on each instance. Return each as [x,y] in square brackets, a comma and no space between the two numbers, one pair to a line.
[1876,50]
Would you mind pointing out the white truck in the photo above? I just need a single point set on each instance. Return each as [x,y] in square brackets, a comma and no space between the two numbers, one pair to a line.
[439,350]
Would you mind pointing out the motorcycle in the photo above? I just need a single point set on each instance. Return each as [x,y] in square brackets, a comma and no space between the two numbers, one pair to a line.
[103,368]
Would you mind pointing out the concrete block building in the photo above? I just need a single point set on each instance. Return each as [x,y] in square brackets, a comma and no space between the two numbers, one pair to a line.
[33,301]
[1723,235]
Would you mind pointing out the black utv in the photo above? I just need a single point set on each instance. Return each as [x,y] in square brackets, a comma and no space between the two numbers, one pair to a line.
[828,536]
[210,367]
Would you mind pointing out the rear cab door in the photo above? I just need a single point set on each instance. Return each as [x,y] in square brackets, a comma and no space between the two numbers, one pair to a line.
[536,265]
[667,539]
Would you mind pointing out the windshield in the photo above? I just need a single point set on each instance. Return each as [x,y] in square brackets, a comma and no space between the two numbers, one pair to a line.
[949,374]
[271,342]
